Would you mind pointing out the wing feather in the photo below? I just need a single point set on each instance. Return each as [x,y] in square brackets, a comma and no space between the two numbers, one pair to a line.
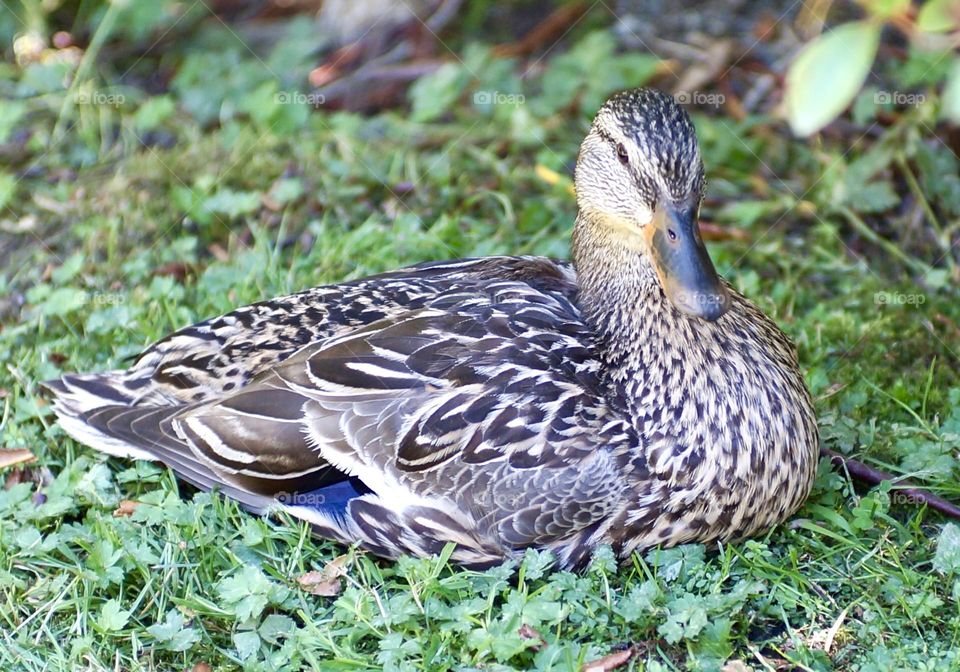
[476,416]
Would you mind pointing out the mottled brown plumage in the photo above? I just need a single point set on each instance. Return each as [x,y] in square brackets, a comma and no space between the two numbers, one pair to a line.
[630,399]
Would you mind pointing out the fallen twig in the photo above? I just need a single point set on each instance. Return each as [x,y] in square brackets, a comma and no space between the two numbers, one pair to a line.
[862,472]
[372,72]
[378,76]
[547,31]
[711,231]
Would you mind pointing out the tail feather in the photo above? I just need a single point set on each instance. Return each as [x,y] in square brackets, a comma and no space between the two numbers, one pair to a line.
[137,432]
[86,392]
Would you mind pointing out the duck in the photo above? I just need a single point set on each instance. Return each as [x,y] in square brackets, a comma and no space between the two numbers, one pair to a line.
[629,398]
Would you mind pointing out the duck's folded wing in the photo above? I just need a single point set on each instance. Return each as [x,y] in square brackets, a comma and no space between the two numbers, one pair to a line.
[469,415]
[489,415]
[224,353]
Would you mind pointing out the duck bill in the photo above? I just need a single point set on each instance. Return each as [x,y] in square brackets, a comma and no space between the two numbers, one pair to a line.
[681,261]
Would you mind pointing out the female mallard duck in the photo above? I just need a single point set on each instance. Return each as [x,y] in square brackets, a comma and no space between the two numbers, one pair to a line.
[632,398]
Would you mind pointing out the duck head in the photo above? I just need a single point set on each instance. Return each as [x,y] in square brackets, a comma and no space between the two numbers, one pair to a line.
[640,178]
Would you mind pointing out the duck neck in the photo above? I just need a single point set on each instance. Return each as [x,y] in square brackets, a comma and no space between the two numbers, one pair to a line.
[620,295]
[647,346]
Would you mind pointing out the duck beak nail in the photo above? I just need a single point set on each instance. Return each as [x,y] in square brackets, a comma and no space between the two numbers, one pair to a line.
[680,258]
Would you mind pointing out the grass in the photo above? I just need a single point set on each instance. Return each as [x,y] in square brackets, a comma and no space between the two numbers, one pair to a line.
[125,221]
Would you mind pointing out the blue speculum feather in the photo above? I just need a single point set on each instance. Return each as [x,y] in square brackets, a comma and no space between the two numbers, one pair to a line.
[330,499]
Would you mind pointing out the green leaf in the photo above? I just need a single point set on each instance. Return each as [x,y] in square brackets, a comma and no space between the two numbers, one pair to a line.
[536,563]
[172,634]
[68,270]
[714,641]
[925,458]
[824,79]
[8,187]
[687,617]
[947,557]
[746,212]
[153,113]
[11,112]
[276,626]
[885,9]
[247,643]
[951,94]
[232,203]
[112,616]
[64,300]
[670,562]
[924,67]
[286,190]
[28,537]
[874,197]
[248,592]
[639,602]
[96,486]
[434,94]
[251,532]
[938,16]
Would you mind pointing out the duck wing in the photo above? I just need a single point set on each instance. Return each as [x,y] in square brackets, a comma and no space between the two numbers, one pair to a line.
[223,354]
[478,418]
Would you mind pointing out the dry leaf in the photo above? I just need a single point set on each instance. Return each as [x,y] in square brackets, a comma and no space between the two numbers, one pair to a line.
[126,508]
[219,252]
[611,661]
[201,667]
[8,458]
[315,584]
[823,639]
[552,178]
[325,582]
[51,205]
[526,632]
[707,69]
[15,477]
[23,225]
[174,269]
[267,201]
[736,666]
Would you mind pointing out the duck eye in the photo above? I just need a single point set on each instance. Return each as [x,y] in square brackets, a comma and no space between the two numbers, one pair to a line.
[622,154]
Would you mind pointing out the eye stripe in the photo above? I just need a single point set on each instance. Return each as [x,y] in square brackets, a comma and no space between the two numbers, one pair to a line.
[603,134]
